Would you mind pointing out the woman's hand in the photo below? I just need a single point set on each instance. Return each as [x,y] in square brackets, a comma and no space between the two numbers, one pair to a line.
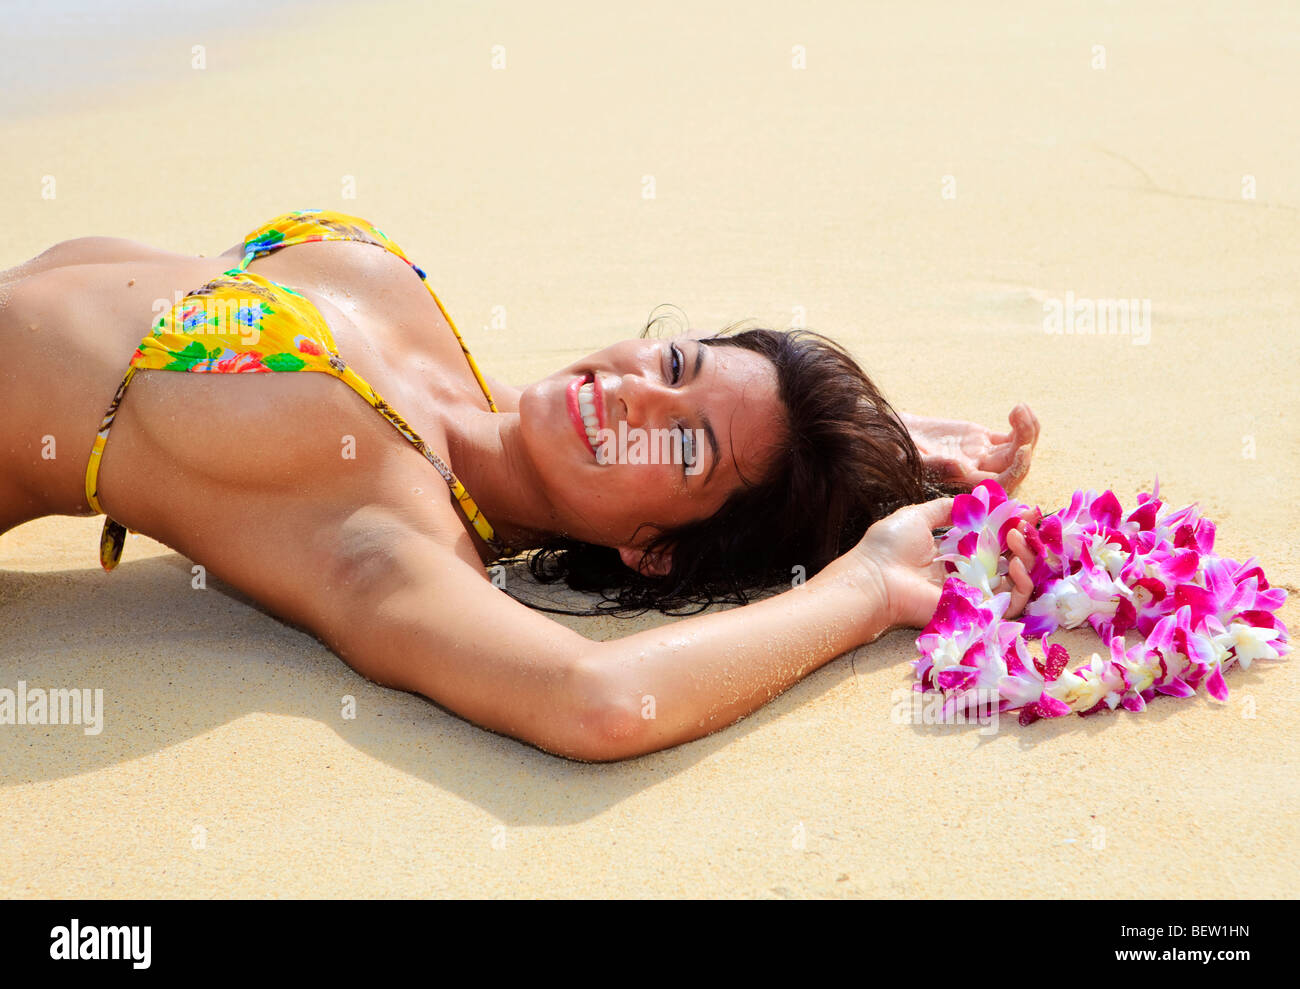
[901,549]
[965,453]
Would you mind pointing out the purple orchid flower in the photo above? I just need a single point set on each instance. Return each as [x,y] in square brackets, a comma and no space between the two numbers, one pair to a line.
[1152,573]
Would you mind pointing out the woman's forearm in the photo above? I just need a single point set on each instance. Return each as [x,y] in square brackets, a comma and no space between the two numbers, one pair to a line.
[682,681]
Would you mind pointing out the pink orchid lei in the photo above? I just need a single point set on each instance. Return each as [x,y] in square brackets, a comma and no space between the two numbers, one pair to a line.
[1194,613]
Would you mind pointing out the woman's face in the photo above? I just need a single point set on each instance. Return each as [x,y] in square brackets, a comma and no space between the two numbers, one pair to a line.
[709,415]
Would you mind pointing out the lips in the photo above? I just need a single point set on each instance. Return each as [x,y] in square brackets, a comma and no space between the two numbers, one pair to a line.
[575,413]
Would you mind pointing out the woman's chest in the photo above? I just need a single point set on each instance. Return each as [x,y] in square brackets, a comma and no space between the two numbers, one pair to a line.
[385,323]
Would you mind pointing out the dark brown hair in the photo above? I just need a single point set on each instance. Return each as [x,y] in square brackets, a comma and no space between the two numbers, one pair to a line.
[848,461]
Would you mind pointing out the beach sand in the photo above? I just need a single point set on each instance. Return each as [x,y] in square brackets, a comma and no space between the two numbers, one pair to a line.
[225,766]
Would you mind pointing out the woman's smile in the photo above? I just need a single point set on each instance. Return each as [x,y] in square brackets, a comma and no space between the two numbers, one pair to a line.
[586,405]
[624,407]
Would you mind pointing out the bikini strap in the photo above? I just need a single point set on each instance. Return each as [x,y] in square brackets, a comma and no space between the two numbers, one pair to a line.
[469,507]
[469,358]
[317,225]
[113,539]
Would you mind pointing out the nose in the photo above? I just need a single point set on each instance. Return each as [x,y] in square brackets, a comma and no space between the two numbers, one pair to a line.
[646,401]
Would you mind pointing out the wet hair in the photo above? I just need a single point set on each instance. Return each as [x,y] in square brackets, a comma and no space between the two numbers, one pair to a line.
[847,460]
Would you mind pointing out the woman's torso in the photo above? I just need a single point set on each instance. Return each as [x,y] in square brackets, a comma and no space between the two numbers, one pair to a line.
[190,455]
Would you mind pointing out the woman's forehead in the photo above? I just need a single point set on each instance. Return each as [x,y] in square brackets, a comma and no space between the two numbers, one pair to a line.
[741,397]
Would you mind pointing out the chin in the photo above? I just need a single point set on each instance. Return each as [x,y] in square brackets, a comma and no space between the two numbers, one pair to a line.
[547,433]
[533,406]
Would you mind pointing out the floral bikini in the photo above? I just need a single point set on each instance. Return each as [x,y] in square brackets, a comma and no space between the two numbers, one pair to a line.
[242,323]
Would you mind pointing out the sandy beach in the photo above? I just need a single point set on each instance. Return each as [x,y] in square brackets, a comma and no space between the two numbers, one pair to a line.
[921,182]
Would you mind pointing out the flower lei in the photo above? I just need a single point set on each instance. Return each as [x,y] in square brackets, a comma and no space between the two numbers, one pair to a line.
[1194,613]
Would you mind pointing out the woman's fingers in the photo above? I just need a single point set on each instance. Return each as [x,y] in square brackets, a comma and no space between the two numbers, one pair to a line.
[1022,561]
[1021,587]
[1019,546]
[1007,447]
[1024,430]
[1010,478]
[1001,457]
[1018,572]
[1024,425]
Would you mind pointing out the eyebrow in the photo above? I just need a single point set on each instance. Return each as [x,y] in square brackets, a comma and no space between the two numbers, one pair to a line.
[708,426]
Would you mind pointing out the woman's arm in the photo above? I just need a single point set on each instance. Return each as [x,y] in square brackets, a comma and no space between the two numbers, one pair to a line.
[682,681]
[703,673]
[409,614]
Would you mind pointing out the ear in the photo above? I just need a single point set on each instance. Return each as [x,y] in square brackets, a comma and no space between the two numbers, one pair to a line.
[650,564]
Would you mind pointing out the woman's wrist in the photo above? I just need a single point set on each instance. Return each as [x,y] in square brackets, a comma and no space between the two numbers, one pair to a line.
[862,583]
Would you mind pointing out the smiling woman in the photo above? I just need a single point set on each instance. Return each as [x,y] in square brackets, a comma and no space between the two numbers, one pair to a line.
[304,490]
[811,455]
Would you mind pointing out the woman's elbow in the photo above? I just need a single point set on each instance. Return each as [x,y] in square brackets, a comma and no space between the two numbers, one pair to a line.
[609,722]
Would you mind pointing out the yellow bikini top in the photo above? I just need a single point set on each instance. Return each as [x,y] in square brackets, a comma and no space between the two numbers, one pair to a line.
[243,323]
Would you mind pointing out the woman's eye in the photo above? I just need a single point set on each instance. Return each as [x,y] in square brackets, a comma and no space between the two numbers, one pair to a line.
[688,447]
[678,360]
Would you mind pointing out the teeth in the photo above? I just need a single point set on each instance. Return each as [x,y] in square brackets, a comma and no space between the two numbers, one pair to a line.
[587,406]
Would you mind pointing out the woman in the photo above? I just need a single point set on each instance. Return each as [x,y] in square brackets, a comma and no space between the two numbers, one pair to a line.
[314,503]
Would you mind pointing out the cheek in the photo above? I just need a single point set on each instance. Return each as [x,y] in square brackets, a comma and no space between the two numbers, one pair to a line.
[647,490]
[632,496]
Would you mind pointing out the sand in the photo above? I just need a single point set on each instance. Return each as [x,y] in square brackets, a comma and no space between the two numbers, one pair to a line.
[226,768]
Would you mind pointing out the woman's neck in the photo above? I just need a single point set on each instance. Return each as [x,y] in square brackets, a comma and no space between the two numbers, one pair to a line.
[487,454]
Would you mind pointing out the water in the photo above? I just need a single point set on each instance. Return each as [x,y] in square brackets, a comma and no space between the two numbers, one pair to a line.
[69,52]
